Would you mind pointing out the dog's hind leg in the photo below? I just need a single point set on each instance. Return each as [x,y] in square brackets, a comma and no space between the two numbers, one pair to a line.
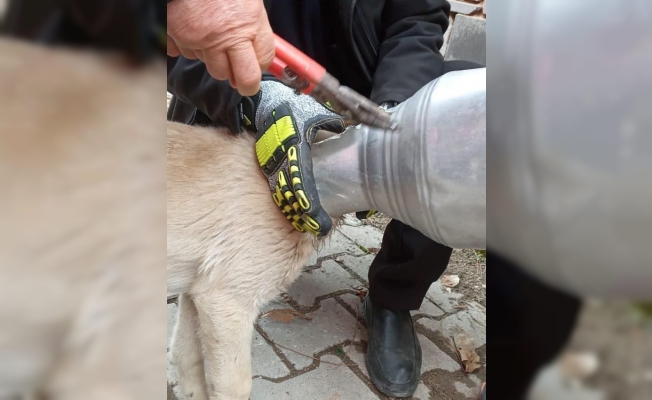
[186,351]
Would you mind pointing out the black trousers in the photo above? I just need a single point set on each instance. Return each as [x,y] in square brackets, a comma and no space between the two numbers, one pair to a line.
[408,262]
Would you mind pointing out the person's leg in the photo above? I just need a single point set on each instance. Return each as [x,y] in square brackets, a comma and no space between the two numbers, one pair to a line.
[530,324]
[405,267]
[399,277]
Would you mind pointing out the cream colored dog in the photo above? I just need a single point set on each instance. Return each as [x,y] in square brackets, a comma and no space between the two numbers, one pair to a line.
[230,251]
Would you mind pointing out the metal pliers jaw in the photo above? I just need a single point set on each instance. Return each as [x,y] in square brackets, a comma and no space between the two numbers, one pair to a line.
[301,73]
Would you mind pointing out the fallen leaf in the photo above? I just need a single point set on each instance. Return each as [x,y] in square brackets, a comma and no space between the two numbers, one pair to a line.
[373,250]
[284,315]
[450,280]
[466,350]
[335,397]
[362,293]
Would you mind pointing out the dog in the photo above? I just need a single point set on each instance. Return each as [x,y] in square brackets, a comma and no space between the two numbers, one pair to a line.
[230,251]
[82,168]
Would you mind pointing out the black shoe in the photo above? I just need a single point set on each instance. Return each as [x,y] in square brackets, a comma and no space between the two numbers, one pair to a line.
[393,354]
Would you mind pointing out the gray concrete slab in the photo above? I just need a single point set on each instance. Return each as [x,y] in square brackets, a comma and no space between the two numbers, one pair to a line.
[468,40]
[462,7]
[327,382]
[443,298]
[338,243]
[358,264]
[365,235]
[330,325]
[319,282]
[266,362]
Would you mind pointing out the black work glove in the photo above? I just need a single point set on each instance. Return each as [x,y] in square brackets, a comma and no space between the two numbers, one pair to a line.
[286,124]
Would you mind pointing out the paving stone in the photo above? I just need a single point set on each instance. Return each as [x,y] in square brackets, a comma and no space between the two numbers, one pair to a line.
[173,380]
[338,243]
[422,393]
[171,395]
[359,264]
[324,383]
[447,35]
[354,302]
[443,298]
[273,305]
[434,357]
[365,235]
[472,321]
[330,325]
[351,220]
[172,318]
[468,40]
[463,8]
[314,257]
[264,361]
[319,282]
[428,308]
[468,391]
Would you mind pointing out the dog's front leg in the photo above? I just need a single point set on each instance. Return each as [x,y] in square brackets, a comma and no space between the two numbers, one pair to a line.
[226,332]
[186,351]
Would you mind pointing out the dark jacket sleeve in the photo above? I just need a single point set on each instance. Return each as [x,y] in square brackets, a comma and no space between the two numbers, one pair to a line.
[409,52]
[191,83]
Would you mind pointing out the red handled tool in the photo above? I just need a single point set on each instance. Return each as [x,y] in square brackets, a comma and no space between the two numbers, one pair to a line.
[301,73]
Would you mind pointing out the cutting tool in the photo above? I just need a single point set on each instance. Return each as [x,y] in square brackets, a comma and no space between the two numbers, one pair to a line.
[306,76]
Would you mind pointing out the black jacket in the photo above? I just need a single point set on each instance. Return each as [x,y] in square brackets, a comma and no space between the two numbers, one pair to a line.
[134,27]
[389,50]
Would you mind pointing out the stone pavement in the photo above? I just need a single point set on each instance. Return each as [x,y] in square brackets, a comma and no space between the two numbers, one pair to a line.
[332,342]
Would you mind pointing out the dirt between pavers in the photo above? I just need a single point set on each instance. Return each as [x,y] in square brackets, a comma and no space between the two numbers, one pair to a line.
[471,267]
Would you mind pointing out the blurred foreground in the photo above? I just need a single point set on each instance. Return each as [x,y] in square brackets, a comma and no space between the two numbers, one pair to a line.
[82,239]
[570,195]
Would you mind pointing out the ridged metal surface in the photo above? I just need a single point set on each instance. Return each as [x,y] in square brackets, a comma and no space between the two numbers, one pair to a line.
[430,173]
[569,194]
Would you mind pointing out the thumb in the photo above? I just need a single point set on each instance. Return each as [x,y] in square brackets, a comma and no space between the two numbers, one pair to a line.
[172,49]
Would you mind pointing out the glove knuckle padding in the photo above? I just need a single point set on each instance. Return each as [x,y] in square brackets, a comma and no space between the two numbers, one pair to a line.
[287,123]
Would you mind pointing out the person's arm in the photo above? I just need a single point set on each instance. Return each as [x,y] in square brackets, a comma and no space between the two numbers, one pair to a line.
[191,83]
[413,33]
[233,38]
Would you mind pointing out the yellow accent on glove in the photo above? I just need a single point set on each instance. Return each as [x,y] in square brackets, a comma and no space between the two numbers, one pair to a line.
[273,138]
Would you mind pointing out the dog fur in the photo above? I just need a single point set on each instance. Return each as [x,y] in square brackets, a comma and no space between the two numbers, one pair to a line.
[83,226]
[230,251]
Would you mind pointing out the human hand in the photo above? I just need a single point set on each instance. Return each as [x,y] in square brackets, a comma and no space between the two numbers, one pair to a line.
[286,124]
[233,38]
